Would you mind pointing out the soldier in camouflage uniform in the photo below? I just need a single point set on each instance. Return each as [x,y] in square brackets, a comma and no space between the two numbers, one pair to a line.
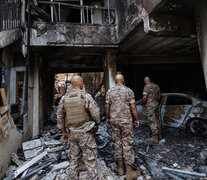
[151,96]
[77,114]
[119,103]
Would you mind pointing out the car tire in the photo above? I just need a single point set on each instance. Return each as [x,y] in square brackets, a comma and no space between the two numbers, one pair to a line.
[198,127]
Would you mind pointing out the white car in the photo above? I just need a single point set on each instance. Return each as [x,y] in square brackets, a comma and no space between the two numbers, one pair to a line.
[181,111]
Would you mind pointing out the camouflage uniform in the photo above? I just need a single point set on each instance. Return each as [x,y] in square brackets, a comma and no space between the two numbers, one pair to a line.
[120,97]
[81,142]
[152,92]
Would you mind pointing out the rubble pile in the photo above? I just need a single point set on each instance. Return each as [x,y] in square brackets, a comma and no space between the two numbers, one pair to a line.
[177,150]
[46,158]
[178,155]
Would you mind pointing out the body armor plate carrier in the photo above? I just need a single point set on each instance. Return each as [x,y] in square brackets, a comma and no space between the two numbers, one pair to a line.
[76,113]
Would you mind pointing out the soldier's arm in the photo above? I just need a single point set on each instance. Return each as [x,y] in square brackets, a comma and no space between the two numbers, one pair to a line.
[144,99]
[135,113]
[93,108]
[61,116]
[133,107]
[145,94]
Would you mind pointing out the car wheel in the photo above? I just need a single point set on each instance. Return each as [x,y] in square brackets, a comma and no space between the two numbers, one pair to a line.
[198,127]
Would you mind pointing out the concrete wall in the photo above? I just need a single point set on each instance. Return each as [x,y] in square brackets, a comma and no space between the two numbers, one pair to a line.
[8,145]
[67,34]
[9,36]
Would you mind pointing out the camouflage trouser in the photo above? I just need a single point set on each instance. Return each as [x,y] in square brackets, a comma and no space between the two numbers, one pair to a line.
[153,116]
[123,137]
[82,145]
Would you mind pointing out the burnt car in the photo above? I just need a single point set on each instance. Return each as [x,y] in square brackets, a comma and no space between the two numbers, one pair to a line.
[181,111]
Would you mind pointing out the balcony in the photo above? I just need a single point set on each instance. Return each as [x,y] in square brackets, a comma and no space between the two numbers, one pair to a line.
[10,21]
[73,23]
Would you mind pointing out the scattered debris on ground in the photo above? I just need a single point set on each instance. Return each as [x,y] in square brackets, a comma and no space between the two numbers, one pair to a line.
[177,156]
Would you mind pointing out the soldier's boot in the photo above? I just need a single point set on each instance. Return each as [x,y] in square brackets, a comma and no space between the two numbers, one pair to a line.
[120,168]
[154,138]
[131,174]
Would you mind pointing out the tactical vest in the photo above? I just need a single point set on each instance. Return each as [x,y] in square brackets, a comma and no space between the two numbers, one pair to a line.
[76,113]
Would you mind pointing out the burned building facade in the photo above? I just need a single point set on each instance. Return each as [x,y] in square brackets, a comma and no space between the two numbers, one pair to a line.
[164,39]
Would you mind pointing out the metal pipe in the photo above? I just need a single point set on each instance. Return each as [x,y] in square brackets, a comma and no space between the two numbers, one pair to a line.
[59,15]
[81,11]
[87,14]
[91,16]
[109,16]
[52,12]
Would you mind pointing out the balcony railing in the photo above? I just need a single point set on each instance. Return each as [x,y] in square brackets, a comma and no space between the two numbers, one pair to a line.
[92,14]
[10,14]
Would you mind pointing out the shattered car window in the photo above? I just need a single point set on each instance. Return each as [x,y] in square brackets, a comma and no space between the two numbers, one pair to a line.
[178,100]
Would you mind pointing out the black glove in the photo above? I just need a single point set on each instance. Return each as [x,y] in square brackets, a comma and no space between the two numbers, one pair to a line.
[94,129]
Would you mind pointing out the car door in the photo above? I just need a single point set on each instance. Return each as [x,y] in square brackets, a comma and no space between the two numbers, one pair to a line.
[142,110]
[174,110]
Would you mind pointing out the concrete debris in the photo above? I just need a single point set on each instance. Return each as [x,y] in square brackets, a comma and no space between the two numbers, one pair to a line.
[148,177]
[203,169]
[56,149]
[24,173]
[103,137]
[52,143]
[50,176]
[175,165]
[32,153]
[28,164]
[173,176]
[140,178]
[10,171]
[53,163]
[32,144]
[154,169]
[62,165]
[162,141]
[36,170]
[15,159]
[105,173]
[184,173]
[35,177]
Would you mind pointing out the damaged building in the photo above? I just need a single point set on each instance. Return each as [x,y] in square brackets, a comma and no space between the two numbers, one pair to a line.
[164,39]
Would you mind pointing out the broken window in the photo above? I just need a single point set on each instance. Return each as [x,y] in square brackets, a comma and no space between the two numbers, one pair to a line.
[178,100]
[10,14]
[78,11]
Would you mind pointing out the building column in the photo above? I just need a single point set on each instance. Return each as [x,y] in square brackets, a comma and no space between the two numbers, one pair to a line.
[110,69]
[32,123]
[201,23]
[36,104]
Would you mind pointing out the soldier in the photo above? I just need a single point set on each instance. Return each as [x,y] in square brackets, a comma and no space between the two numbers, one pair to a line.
[81,113]
[69,86]
[151,97]
[119,101]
